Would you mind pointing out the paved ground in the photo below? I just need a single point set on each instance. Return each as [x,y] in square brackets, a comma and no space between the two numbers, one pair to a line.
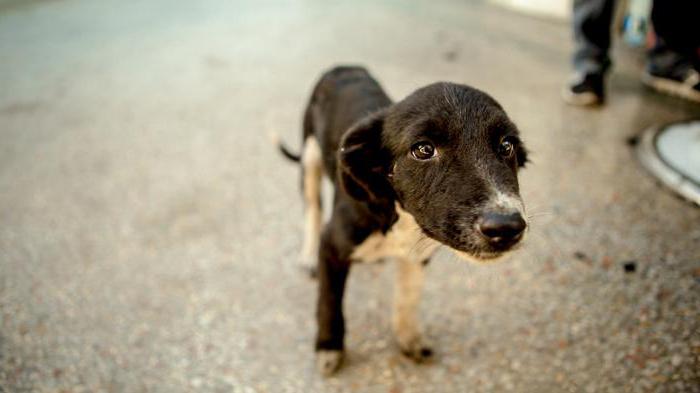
[148,230]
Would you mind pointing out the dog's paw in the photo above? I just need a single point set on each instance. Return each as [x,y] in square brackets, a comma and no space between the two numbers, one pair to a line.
[310,271]
[328,361]
[308,266]
[417,350]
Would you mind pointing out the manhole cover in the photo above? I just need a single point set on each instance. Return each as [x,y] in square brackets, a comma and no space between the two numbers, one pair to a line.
[672,154]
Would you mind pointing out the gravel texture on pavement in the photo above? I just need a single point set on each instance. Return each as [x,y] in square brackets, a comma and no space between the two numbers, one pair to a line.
[149,230]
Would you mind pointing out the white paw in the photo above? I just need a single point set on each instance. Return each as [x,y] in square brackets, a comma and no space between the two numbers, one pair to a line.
[328,361]
[308,265]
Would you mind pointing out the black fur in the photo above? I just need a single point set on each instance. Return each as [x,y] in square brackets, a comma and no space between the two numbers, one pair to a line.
[366,143]
[287,153]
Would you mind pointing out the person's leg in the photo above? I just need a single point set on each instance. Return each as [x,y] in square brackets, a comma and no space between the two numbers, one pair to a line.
[674,61]
[591,23]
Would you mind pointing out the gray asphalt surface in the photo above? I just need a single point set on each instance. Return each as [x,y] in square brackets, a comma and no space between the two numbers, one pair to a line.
[149,231]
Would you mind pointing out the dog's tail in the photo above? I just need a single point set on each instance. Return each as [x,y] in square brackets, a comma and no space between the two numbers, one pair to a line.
[294,157]
[290,156]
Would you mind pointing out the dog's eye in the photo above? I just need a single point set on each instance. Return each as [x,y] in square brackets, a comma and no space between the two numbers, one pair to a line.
[507,147]
[423,151]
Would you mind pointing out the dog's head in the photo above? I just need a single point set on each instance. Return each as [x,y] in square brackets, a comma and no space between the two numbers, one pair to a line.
[449,155]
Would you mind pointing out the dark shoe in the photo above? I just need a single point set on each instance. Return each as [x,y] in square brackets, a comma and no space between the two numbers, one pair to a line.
[685,84]
[585,90]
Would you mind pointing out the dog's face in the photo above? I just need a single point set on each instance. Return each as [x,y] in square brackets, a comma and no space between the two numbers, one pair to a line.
[449,155]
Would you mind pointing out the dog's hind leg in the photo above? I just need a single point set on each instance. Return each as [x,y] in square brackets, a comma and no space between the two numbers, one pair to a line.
[407,293]
[312,172]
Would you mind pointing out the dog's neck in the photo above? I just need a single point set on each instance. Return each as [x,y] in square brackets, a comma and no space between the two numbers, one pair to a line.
[403,239]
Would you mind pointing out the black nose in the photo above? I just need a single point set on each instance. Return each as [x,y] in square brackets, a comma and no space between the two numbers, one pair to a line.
[502,228]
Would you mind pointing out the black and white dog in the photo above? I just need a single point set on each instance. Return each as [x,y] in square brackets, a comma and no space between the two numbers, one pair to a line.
[437,168]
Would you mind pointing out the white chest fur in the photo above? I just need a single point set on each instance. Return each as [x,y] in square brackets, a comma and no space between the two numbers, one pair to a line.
[404,240]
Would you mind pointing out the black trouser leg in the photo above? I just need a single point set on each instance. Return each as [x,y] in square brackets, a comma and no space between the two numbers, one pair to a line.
[591,22]
[678,36]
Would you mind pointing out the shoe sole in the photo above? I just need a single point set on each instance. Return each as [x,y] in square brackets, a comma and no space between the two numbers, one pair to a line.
[582,99]
[671,87]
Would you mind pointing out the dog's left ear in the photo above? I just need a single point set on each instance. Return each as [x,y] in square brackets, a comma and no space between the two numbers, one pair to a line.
[521,155]
[364,164]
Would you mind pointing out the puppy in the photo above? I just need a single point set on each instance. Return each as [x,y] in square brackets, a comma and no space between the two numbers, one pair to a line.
[437,168]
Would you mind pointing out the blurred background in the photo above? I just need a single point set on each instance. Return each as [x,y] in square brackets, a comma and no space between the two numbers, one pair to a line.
[149,230]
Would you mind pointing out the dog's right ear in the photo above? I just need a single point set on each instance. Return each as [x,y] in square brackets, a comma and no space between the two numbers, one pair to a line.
[364,164]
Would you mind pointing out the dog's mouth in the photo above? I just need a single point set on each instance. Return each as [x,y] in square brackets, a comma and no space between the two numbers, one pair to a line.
[479,234]
[485,253]
[474,247]
[483,257]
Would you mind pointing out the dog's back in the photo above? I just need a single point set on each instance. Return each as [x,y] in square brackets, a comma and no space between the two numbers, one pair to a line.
[344,95]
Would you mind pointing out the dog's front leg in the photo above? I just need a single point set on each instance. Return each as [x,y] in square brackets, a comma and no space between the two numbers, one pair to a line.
[407,293]
[333,270]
